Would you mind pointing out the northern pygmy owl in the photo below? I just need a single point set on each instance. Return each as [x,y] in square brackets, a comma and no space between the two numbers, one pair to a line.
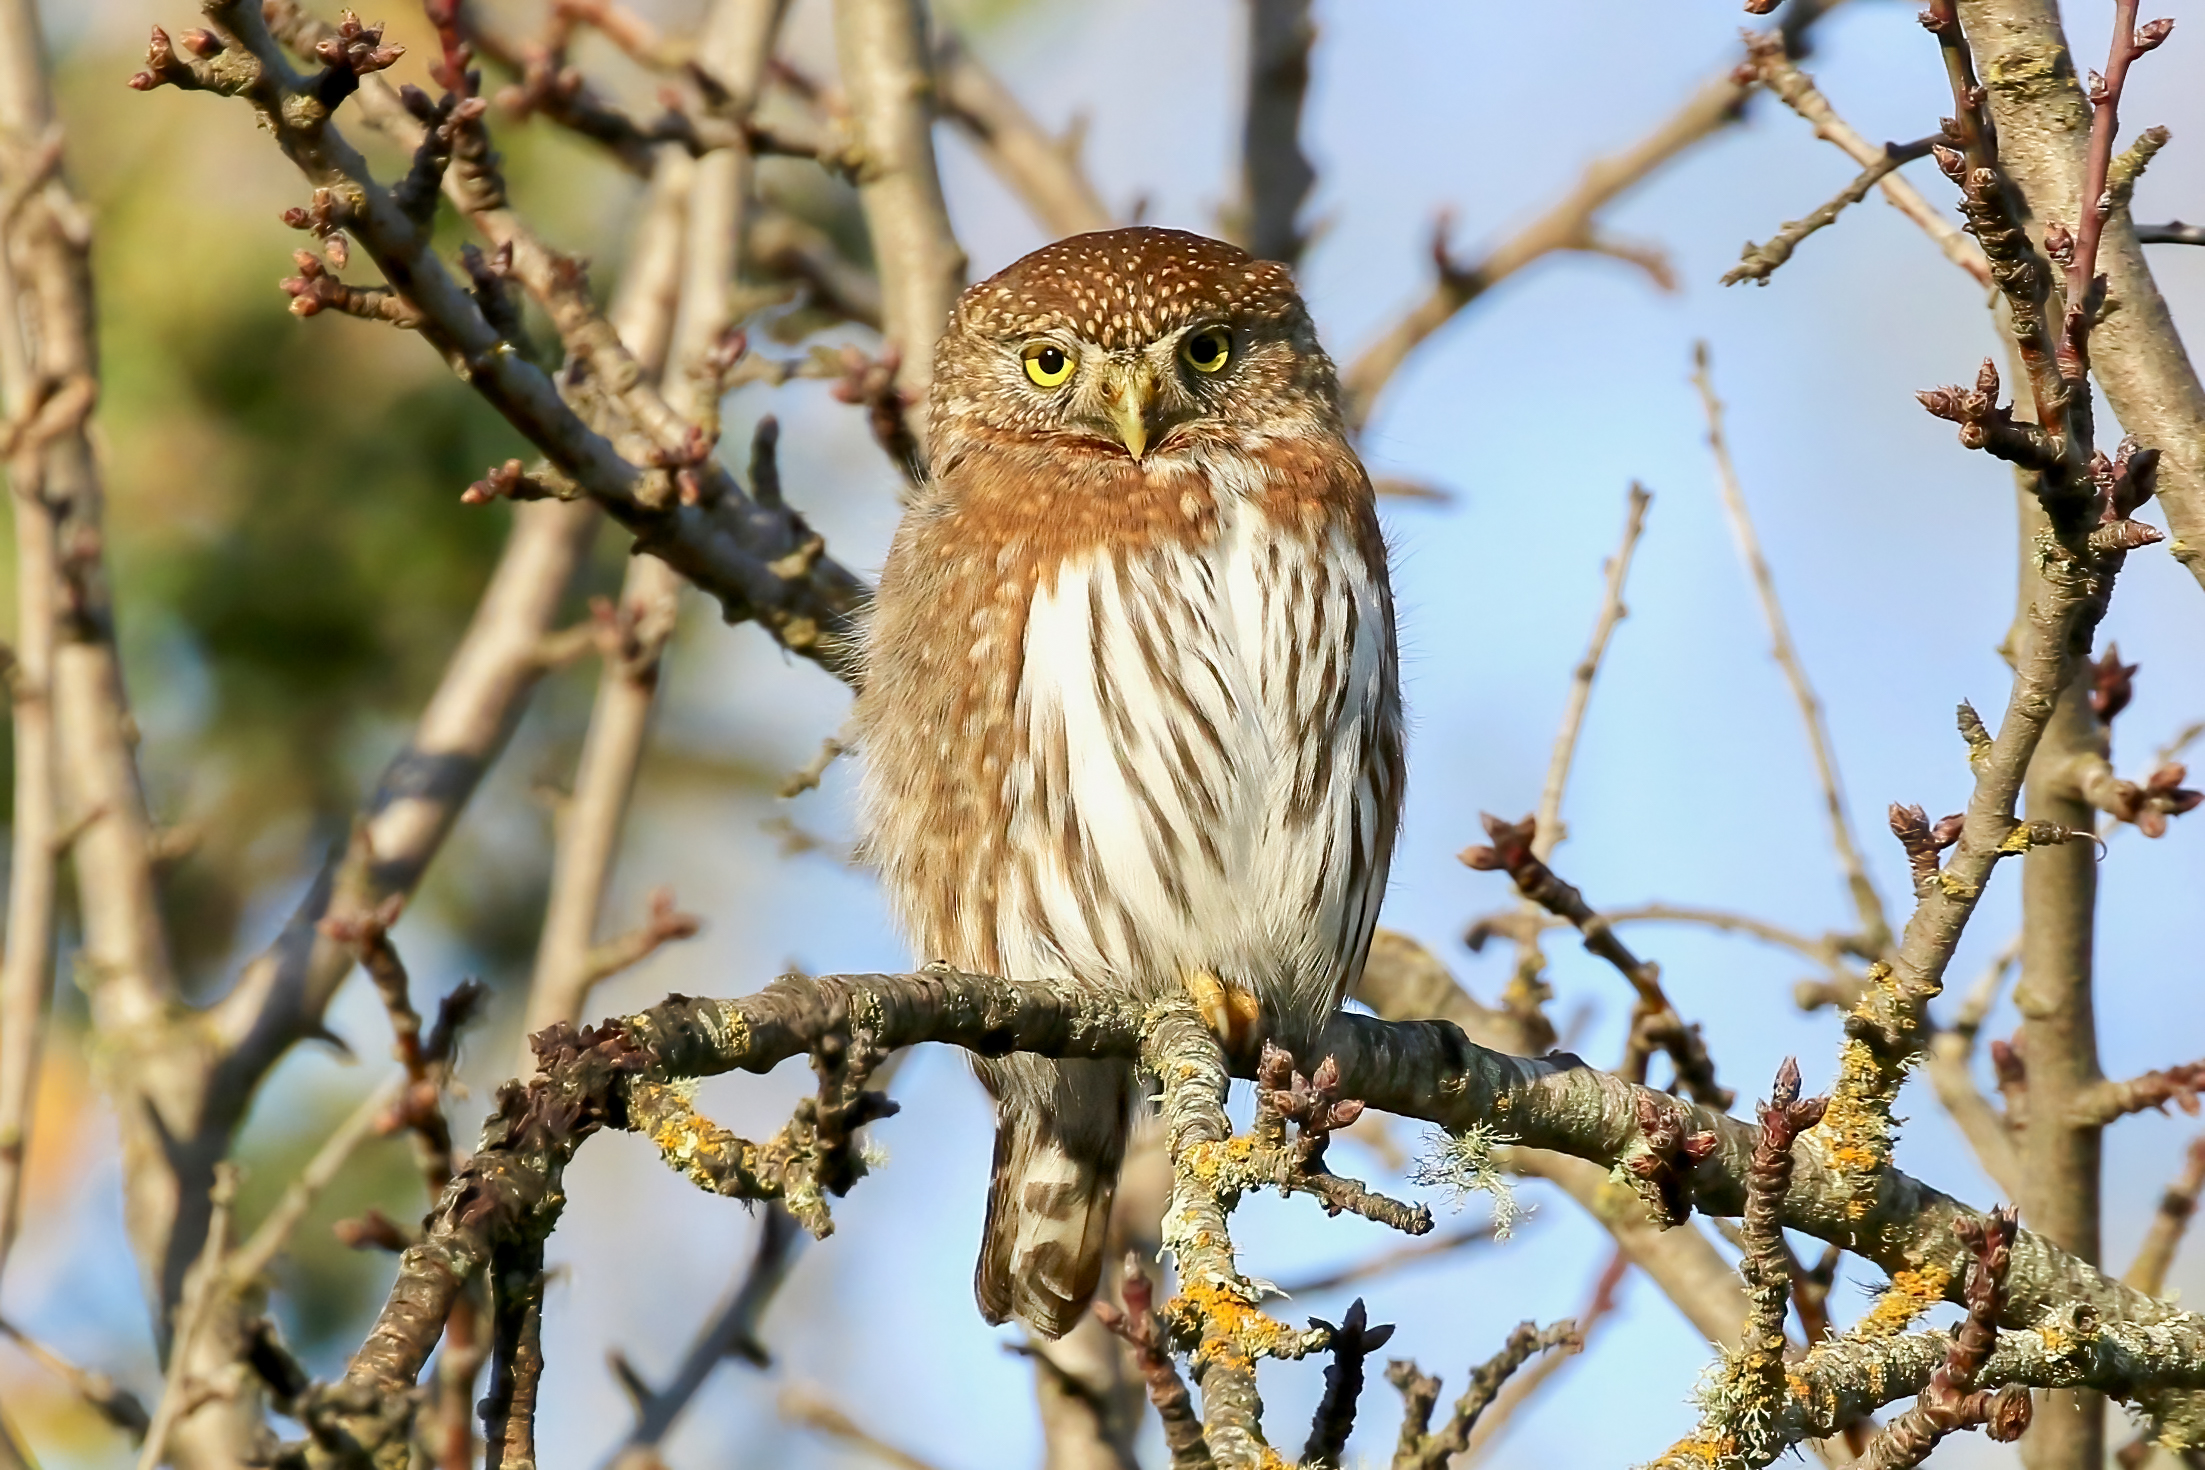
[1130,708]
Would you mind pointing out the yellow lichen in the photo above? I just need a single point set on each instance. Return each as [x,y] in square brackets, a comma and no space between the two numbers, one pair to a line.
[1857,1127]
[1701,1449]
[1902,1303]
[1233,1329]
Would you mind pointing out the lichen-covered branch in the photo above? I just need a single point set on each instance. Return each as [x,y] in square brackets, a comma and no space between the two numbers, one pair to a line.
[1951,1402]
[510,1188]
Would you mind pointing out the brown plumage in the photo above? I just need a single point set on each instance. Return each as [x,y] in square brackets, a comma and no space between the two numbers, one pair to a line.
[1130,708]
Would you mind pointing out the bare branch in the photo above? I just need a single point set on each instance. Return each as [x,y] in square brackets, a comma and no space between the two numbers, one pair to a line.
[1419,1450]
[1044,172]
[1612,611]
[252,1259]
[2046,136]
[881,46]
[1568,224]
[1143,1330]
[2173,232]
[1875,926]
[1759,262]
[2148,1272]
[1656,1024]
[1275,175]
[814,1410]
[731,1331]
[1797,91]
[110,1400]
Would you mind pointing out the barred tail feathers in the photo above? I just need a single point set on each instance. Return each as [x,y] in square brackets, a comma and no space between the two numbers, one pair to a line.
[1056,1170]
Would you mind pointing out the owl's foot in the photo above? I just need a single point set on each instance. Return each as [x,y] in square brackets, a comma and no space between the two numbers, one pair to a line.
[1229,1011]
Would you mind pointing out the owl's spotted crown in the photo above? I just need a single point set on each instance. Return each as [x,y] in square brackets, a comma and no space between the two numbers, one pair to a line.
[1125,288]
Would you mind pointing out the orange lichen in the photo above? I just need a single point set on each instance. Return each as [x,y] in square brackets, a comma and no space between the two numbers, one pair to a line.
[1856,1129]
[1699,1449]
[1231,1328]
[1901,1304]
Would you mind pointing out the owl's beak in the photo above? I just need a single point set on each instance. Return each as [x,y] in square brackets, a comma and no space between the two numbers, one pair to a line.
[1128,394]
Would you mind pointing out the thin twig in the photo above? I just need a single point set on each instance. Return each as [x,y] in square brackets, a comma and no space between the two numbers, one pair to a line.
[2173,232]
[1571,223]
[1599,1307]
[1656,1025]
[814,1410]
[251,1259]
[205,1284]
[731,1331]
[1612,612]
[1044,172]
[1798,92]
[1419,1450]
[1762,261]
[1386,1262]
[2148,1272]
[110,1400]
[1875,926]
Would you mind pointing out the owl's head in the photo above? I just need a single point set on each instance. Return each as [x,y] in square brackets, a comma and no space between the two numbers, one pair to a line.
[1135,342]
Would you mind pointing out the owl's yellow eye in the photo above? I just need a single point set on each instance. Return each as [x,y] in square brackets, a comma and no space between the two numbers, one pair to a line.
[1047,364]
[1208,350]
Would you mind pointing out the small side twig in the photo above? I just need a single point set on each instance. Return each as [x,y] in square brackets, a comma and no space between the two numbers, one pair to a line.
[814,1410]
[204,1287]
[1143,1330]
[1419,1450]
[1656,1022]
[1759,262]
[1874,935]
[1951,1402]
[109,1399]
[2148,1272]
[2105,1102]
[2173,232]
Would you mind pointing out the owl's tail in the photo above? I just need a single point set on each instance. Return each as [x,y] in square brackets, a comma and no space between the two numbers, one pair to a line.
[1059,1137]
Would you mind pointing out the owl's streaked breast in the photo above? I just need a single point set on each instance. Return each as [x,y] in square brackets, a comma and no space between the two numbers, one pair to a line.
[1178,741]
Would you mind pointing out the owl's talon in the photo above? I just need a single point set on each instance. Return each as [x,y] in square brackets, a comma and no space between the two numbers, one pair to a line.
[1229,1011]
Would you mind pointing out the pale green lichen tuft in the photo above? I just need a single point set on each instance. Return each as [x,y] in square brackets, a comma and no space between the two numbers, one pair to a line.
[1462,1165]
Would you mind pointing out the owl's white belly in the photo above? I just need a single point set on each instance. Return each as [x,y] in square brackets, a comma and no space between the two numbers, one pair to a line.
[1192,785]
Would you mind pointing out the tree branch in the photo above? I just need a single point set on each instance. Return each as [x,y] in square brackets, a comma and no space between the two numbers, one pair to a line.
[881,47]
[1275,175]
[1044,172]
